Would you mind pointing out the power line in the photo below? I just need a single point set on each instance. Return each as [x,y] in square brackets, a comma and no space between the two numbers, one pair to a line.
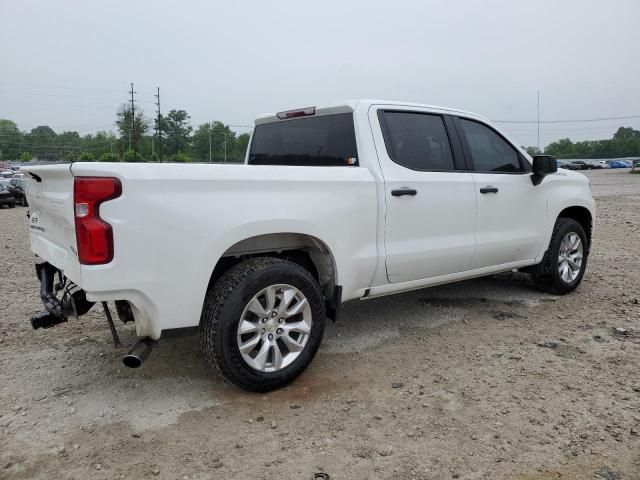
[584,120]
[48,85]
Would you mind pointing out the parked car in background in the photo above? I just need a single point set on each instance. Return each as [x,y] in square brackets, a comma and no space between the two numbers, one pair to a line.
[17,188]
[6,176]
[582,165]
[567,165]
[599,164]
[619,164]
[6,198]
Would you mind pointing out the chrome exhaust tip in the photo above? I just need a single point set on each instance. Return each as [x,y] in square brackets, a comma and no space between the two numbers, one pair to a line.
[138,353]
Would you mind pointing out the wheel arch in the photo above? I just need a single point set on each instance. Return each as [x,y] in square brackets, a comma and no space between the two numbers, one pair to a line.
[583,216]
[306,250]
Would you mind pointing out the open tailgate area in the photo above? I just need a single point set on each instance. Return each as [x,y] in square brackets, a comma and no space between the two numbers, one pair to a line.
[51,216]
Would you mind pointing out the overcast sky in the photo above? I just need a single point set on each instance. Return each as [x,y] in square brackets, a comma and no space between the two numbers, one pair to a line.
[68,64]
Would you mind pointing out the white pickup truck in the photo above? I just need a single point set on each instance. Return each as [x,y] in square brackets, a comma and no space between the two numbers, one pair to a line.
[354,200]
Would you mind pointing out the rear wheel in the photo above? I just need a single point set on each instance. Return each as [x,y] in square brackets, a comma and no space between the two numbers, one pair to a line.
[565,261]
[262,323]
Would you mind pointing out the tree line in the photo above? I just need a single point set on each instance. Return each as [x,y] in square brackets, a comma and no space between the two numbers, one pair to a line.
[178,141]
[625,143]
[136,141]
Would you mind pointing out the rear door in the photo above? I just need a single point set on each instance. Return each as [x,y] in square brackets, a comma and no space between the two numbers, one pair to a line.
[430,198]
[512,212]
[51,216]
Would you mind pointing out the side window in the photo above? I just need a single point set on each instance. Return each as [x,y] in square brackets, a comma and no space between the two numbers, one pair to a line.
[417,141]
[490,152]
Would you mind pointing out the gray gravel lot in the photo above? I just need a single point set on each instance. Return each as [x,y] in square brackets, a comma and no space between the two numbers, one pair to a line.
[488,378]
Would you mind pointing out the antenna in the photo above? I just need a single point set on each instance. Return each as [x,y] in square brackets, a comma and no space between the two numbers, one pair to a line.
[538,121]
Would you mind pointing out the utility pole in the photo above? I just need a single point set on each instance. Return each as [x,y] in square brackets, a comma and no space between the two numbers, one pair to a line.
[159,124]
[209,142]
[225,146]
[538,121]
[133,121]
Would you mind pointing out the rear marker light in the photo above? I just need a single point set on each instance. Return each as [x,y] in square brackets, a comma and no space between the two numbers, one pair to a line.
[300,112]
[94,236]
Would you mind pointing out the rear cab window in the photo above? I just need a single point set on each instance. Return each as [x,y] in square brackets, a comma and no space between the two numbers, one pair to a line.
[320,141]
[416,140]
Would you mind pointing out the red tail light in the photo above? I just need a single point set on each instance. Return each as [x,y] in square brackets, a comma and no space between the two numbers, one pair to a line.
[93,235]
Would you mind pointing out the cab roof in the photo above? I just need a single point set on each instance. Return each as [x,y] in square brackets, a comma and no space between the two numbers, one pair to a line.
[348,106]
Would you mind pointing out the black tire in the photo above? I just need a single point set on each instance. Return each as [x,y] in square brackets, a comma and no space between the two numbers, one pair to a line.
[12,205]
[24,201]
[223,307]
[549,278]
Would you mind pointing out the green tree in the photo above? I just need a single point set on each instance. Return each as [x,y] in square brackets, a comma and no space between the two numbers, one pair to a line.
[87,157]
[625,143]
[109,157]
[132,156]
[533,151]
[43,143]
[25,157]
[11,140]
[560,148]
[176,131]
[180,158]
[124,124]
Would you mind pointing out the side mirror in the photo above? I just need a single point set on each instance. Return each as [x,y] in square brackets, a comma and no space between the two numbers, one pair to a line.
[543,165]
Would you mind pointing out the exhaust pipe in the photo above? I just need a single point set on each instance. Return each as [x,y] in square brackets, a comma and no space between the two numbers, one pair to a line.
[138,353]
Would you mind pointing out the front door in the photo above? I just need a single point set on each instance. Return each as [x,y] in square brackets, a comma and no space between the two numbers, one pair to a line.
[512,212]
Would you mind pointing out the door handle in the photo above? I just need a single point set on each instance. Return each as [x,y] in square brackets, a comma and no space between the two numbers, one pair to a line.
[489,190]
[404,191]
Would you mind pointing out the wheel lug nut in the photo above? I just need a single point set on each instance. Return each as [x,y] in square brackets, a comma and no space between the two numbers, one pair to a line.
[279,331]
[281,320]
[270,336]
[273,314]
[264,320]
[264,330]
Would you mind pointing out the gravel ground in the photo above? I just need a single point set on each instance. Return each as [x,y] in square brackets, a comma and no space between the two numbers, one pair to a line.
[482,379]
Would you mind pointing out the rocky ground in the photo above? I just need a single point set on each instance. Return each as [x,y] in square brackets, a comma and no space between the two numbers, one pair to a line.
[483,379]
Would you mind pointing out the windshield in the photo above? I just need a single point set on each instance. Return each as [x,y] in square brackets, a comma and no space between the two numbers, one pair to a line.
[327,140]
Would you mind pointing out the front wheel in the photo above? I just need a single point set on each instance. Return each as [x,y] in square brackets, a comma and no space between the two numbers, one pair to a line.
[565,261]
[262,323]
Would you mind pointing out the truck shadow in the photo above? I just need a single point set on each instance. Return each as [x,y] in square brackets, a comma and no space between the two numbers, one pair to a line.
[363,325]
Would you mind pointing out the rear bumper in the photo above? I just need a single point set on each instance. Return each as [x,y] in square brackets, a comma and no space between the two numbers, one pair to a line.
[62,298]
[71,302]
